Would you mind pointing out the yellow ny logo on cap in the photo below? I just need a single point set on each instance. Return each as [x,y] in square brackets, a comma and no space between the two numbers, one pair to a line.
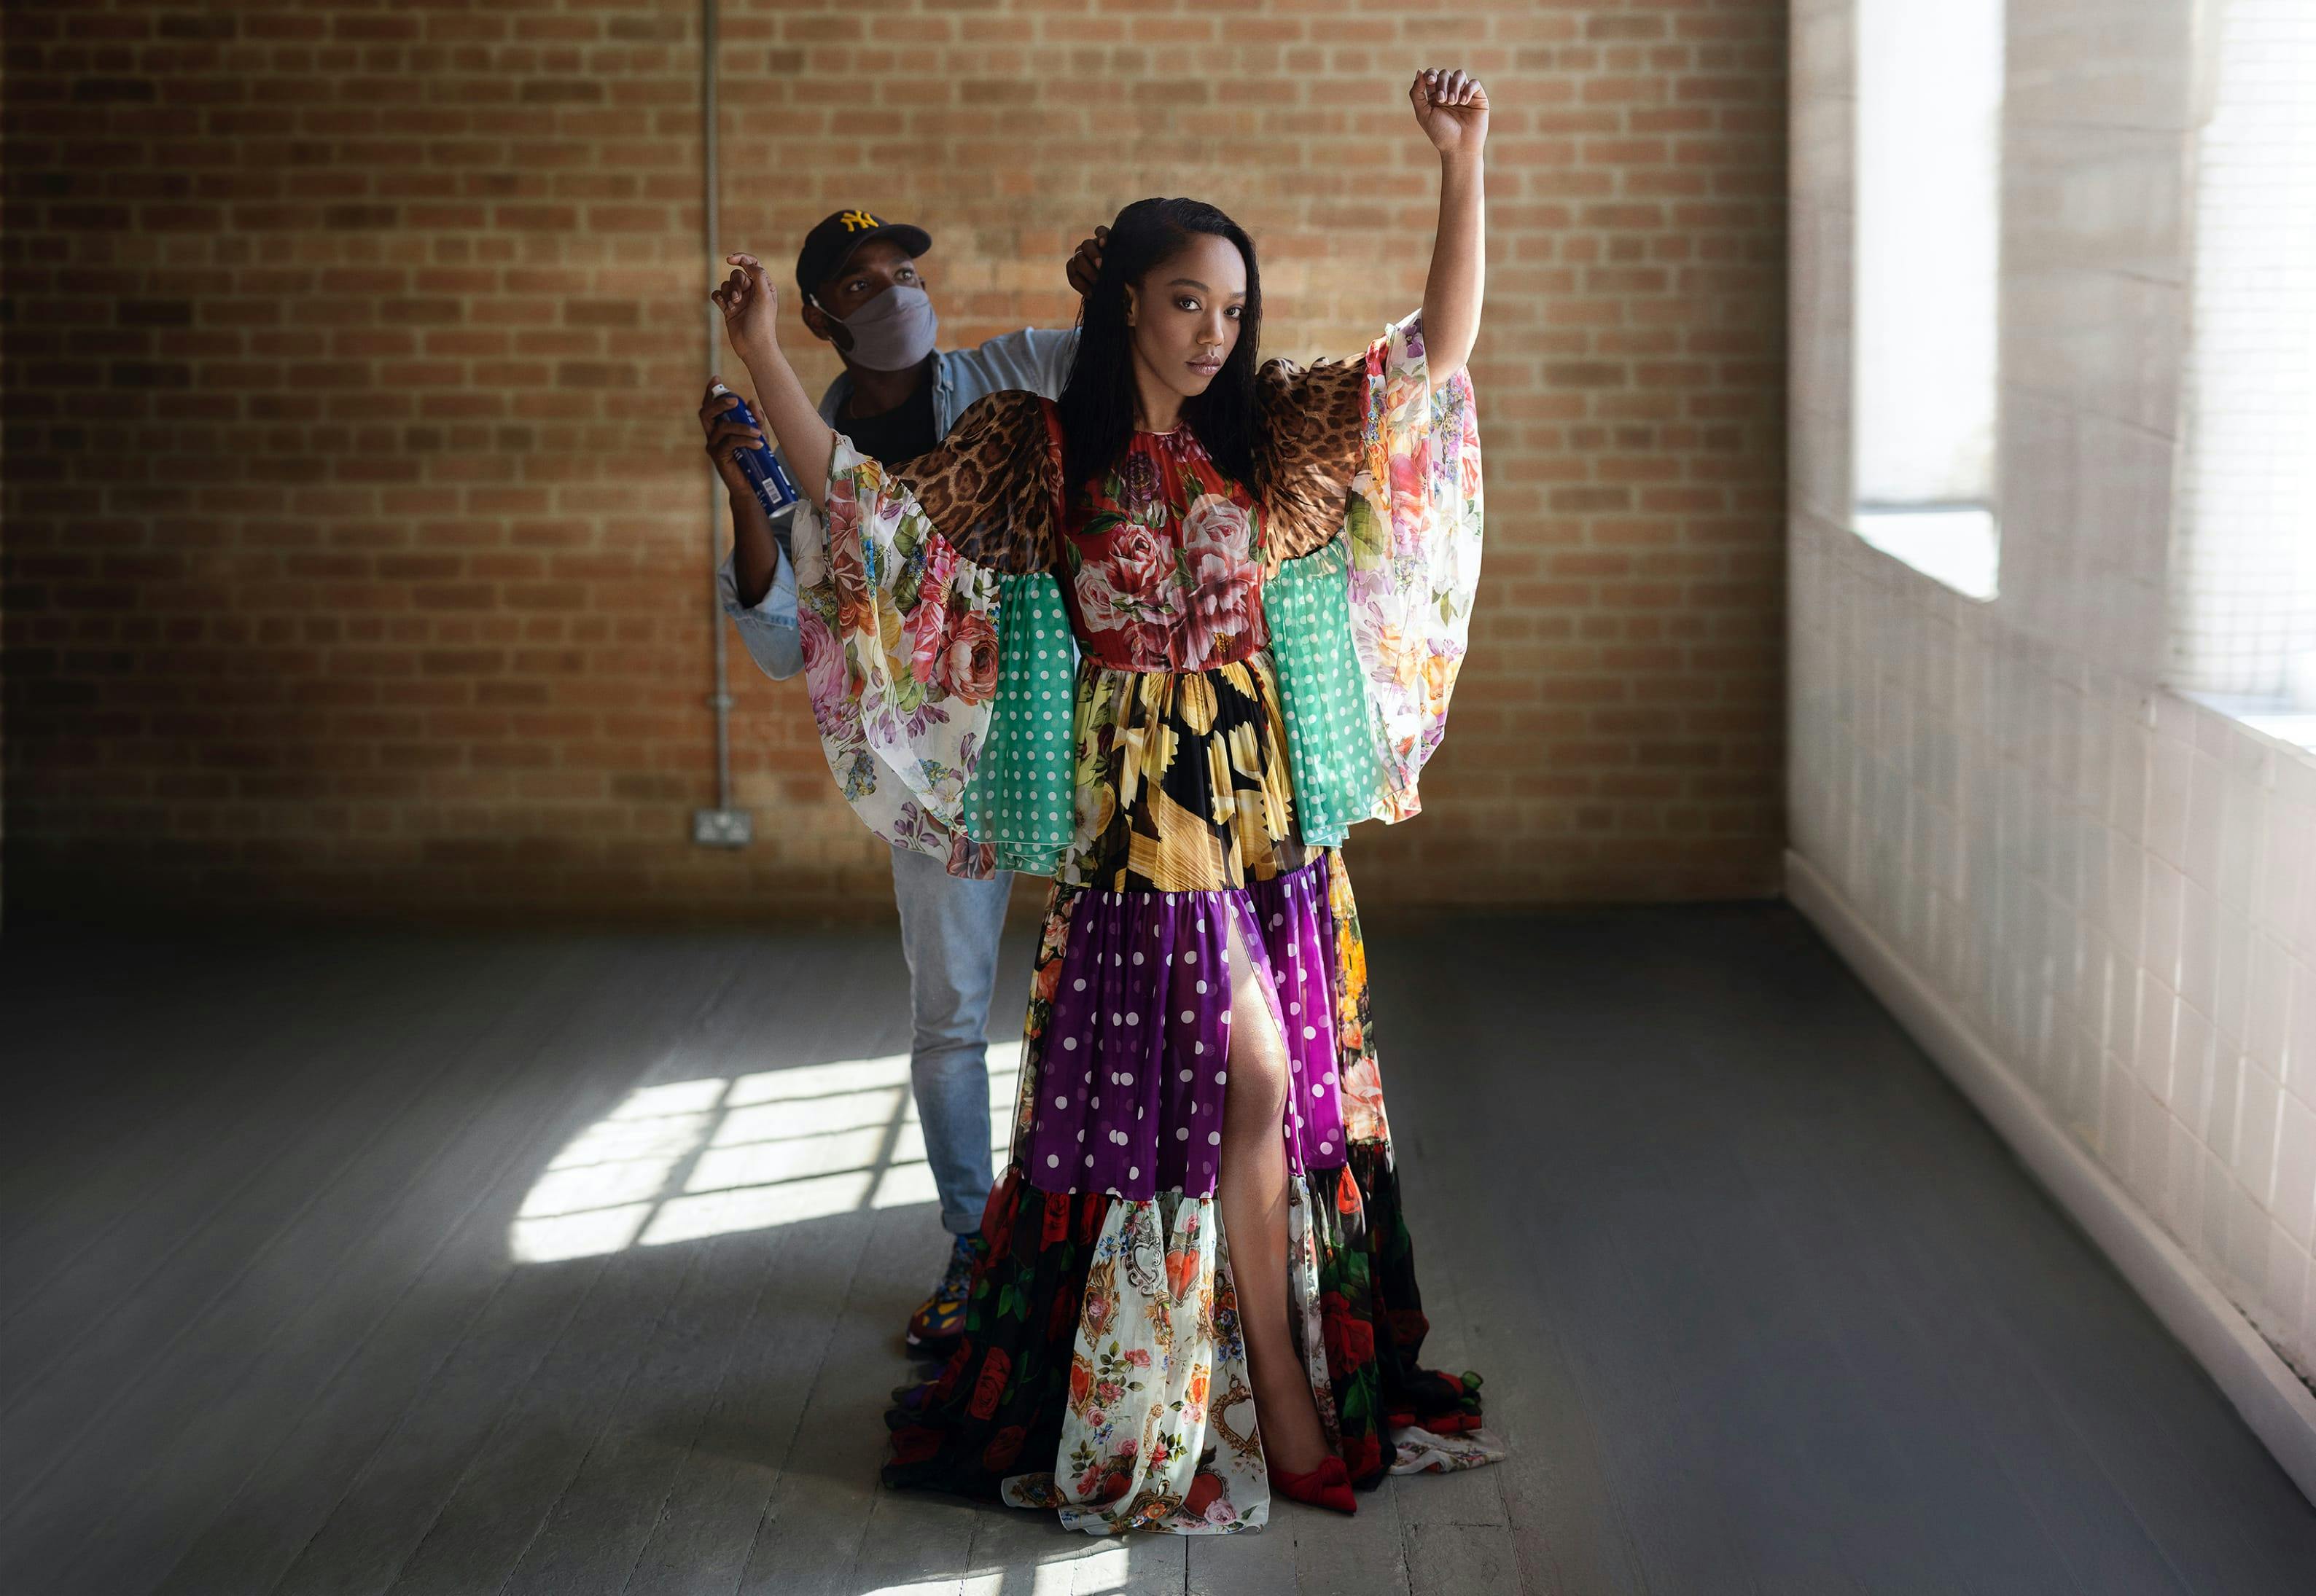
[855,220]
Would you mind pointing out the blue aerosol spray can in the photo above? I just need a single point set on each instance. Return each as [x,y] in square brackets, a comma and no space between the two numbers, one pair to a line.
[761,467]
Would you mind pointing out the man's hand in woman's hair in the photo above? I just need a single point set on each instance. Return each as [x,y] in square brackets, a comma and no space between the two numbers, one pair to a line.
[1086,264]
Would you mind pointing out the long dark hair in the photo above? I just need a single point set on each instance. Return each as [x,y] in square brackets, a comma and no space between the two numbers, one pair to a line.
[1096,403]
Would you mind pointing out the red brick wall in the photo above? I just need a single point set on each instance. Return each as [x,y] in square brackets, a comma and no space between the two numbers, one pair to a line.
[354,540]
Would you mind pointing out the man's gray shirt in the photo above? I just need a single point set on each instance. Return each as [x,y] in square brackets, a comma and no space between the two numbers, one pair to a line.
[1034,359]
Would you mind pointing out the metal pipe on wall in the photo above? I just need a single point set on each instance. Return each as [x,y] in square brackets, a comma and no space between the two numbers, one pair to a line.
[722,826]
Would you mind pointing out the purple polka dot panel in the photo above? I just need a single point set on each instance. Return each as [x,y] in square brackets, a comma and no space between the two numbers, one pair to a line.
[1135,1061]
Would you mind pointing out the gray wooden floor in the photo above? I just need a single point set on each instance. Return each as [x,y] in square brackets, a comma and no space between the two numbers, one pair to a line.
[371,1265]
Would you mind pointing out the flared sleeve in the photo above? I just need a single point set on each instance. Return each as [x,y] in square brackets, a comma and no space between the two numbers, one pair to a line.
[936,651]
[1372,501]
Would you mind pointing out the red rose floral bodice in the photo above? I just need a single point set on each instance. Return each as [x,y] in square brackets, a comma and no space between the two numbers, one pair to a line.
[1158,566]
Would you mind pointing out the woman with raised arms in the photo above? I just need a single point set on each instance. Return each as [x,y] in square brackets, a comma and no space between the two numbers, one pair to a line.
[1165,640]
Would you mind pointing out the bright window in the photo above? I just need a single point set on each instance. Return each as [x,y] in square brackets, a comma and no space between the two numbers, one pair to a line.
[1930,109]
[2244,589]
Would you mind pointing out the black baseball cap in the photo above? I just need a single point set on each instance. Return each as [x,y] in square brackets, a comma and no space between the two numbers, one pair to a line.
[830,245]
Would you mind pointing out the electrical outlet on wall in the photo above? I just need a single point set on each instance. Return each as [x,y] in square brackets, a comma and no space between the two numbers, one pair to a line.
[722,827]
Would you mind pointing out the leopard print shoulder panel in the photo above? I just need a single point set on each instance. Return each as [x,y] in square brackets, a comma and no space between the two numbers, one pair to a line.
[988,487]
[1313,421]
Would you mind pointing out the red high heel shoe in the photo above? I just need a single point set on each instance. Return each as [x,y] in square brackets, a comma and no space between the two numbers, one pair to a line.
[1326,1486]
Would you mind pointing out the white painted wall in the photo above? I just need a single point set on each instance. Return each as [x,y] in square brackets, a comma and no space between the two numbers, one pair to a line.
[2113,887]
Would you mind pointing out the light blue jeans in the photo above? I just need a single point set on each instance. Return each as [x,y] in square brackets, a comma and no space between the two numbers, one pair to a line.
[949,928]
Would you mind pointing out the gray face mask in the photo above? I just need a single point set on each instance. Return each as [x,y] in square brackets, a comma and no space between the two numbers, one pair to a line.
[895,331]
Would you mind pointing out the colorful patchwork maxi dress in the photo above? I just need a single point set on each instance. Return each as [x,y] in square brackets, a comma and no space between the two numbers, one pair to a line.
[1172,695]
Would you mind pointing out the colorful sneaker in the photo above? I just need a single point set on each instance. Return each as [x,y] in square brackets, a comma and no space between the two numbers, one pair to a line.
[939,1320]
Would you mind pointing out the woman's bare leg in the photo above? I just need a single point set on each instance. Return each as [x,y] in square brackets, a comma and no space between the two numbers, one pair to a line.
[1250,1189]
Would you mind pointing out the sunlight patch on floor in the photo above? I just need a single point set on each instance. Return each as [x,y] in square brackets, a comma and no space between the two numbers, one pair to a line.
[680,1160]
[1083,1573]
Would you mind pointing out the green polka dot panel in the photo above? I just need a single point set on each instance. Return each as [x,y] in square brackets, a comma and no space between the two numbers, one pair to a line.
[1020,794]
[1330,737]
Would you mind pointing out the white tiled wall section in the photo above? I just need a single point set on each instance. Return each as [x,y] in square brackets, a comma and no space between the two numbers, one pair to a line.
[2113,885]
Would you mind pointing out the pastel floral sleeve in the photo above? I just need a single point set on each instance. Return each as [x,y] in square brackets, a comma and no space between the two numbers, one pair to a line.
[932,666]
[1370,621]
[901,653]
[1412,534]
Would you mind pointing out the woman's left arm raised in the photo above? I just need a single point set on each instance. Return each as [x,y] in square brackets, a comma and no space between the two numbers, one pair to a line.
[1452,109]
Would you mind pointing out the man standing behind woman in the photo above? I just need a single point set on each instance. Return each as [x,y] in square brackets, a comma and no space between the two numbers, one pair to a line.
[862,293]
